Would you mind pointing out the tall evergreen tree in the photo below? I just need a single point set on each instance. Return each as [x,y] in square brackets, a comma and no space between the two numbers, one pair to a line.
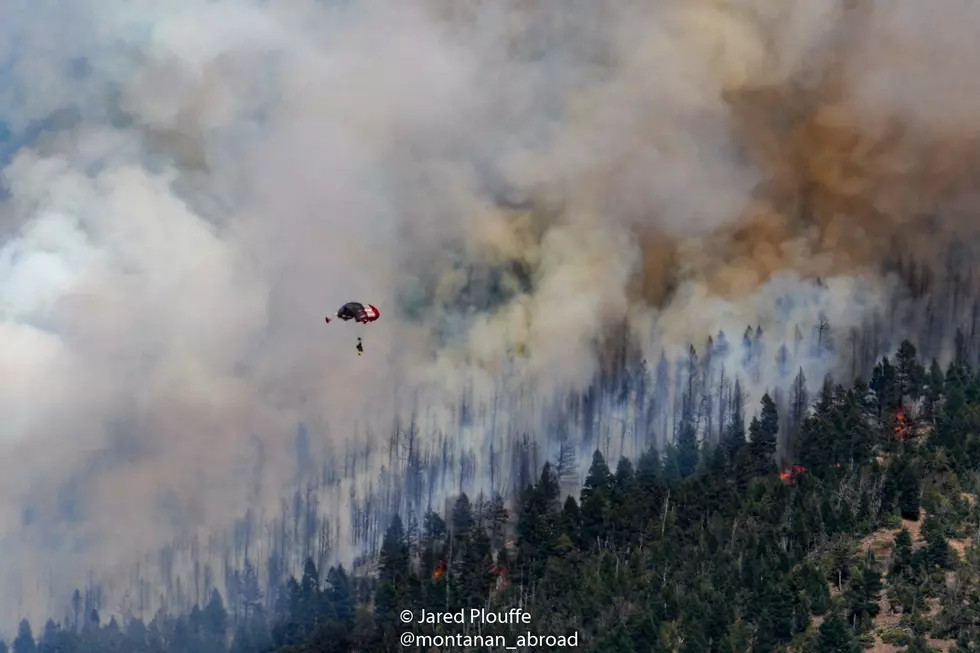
[909,492]
[393,574]
[595,500]
[688,453]
[762,440]
[798,402]
[24,642]
[864,593]
[910,375]
[734,438]
[836,637]
[769,418]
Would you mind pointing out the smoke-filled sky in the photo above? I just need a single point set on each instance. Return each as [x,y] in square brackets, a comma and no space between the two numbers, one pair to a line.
[192,185]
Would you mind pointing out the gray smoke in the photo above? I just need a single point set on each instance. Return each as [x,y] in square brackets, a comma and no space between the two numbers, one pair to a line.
[191,186]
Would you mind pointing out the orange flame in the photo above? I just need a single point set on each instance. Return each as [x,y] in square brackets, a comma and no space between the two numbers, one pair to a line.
[501,574]
[901,426]
[787,476]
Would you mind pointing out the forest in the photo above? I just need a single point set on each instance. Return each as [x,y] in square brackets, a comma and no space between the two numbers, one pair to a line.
[844,519]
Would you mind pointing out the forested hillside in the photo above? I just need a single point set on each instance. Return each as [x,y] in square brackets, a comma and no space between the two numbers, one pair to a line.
[864,536]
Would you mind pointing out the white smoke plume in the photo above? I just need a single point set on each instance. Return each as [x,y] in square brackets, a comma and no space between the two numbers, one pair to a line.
[192,185]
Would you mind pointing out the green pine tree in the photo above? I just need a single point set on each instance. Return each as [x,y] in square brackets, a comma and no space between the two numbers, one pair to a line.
[836,637]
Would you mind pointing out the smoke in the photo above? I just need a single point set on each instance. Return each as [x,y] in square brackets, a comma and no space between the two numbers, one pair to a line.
[192,186]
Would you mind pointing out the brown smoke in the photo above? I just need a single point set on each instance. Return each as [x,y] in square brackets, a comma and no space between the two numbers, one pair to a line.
[842,185]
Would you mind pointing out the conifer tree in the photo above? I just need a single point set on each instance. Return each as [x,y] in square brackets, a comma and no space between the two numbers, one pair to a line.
[836,637]
[864,593]
[908,492]
[24,642]
[595,500]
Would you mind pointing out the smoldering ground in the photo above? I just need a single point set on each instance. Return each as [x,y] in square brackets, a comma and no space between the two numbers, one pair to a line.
[190,187]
